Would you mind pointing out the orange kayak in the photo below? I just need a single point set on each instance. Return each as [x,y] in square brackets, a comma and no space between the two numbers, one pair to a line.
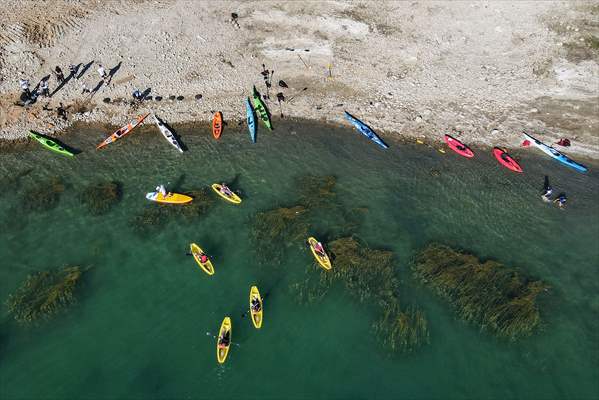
[217,125]
[123,131]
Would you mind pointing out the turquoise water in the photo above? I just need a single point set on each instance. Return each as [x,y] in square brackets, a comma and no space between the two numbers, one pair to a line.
[146,316]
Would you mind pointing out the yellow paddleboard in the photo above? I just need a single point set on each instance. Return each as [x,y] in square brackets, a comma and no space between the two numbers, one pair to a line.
[256,316]
[197,251]
[324,262]
[222,352]
[233,198]
[170,198]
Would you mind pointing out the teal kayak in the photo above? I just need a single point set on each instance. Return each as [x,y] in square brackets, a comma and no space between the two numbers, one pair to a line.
[553,153]
[51,144]
[251,119]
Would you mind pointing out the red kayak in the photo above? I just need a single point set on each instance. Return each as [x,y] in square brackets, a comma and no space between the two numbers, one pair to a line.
[506,160]
[459,147]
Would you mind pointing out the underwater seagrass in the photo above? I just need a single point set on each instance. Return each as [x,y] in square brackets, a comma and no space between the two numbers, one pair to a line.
[495,297]
[44,294]
[370,276]
[275,229]
[43,196]
[315,191]
[100,197]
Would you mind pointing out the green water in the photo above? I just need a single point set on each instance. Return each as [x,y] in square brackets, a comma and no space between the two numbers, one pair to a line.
[146,314]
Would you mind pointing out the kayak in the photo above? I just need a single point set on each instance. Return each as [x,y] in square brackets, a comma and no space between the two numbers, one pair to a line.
[222,352]
[458,147]
[168,134]
[217,125]
[233,198]
[256,315]
[506,160]
[171,198]
[197,251]
[550,151]
[50,144]
[324,262]
[251,119]
[122,131]
[261,109]
[365,130]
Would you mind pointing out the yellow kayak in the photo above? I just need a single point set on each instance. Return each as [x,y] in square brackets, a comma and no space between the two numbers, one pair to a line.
[223,350]
[256,315]
[197,251]
[170,198]
[232,198]
[324,261]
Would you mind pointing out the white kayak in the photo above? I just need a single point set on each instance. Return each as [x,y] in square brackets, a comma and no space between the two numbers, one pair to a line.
[551,152]
[167,133]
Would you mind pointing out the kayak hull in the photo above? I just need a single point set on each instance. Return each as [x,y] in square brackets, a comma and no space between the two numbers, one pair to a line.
[122,131]
[365,130]
[171,198]
[223,352]
[251,120]
[234,198]
[555,154]
[167,133]
[458,147]
[506,160]
[256,316]
[261,110]
[217,125]
[50,144]
[195,252]
[325,261]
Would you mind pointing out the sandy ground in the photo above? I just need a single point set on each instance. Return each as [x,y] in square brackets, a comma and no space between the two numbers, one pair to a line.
[486,70]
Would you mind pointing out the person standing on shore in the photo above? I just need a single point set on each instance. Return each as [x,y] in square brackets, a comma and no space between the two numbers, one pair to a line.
[44,90]
[73,70]
[61,112]
[59,75]
[85,89]
[24,84]
[102,72]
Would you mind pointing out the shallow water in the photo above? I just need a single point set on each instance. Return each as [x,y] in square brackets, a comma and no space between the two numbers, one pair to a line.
[145,318]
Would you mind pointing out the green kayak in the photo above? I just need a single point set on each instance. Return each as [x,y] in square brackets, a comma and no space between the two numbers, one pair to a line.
[51,144]
[261,109]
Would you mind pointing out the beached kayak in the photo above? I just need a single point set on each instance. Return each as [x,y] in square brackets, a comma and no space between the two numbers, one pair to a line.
[506,160]
[458,147]
[324,261]
[365,130]
[50,144]
[261,109]
[197,251]
[553,153]
[217,125]
[230,197]
[170,198]
[223,350]
[167,133]
[256,315]
[251,119]
[123,131]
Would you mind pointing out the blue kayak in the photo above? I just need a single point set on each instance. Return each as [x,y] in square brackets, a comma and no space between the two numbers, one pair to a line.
[550,151]
[365,130]
[251,119]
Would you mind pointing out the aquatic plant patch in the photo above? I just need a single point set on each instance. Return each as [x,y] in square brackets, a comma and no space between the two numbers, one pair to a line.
[497,298]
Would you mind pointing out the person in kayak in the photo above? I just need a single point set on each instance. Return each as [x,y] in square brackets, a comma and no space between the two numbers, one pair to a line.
[162,190]
[224,189]
[224,339]
[256,306]
[561,200]
[319,249]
